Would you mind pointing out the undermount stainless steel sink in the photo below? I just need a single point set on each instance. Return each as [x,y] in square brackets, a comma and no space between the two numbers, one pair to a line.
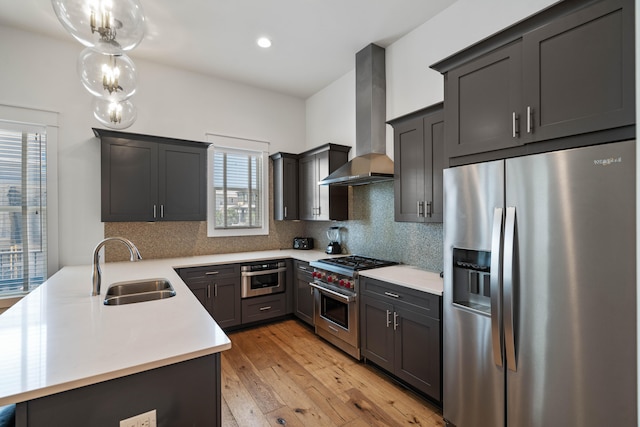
[138,291]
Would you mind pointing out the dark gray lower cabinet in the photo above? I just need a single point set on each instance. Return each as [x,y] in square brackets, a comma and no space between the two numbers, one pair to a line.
[302,292]
[401,333]
[217,287]
[183,394]
[264,307]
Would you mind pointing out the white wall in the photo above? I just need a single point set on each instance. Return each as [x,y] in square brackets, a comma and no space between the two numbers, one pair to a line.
[331,114]
[40,73]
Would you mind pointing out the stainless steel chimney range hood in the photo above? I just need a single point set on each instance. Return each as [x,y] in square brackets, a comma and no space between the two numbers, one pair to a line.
[370,164]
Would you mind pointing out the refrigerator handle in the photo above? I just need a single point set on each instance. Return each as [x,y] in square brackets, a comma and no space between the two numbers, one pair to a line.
[495,281]
[508,274]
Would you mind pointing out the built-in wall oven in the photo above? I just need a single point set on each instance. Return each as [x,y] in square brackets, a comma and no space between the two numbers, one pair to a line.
[262,278]
[335,283]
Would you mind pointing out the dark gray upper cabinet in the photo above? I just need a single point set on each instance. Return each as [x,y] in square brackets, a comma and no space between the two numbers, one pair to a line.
[150,178]
[482,98]
[285,186]
[322,202]
[418,162]
[579,72]
[564,77]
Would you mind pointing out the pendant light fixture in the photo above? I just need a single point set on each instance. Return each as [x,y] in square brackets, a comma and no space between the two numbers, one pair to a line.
[119,23]
[114,114]
[111,76]
[108,28]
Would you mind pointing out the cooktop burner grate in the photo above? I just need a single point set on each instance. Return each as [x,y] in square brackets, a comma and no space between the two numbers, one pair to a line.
[357,262]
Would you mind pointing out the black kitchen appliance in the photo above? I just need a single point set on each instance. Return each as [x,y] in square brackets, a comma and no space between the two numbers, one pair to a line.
[303,243]
[334,248]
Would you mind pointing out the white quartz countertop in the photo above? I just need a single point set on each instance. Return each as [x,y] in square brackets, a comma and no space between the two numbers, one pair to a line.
[59,337]
[406,275]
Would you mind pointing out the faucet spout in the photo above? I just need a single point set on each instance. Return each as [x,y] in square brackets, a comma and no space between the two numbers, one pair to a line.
[97,273]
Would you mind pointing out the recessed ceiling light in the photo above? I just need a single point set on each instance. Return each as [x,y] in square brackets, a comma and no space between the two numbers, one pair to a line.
[264,42]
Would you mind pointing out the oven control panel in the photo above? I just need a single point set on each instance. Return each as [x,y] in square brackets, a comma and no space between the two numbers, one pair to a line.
[334,279]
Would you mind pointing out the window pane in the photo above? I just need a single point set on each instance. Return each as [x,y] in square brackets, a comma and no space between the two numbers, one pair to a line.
[22,210]
[237,195]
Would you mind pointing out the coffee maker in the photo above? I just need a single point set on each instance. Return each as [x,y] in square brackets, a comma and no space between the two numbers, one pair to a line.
[334,247]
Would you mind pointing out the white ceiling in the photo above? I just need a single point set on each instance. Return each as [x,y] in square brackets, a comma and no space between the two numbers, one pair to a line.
[314,41]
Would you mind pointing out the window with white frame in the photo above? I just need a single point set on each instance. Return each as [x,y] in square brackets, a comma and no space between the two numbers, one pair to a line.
[238,189]
[23,207]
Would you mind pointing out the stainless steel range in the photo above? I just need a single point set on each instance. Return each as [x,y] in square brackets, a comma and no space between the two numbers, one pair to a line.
[336,288]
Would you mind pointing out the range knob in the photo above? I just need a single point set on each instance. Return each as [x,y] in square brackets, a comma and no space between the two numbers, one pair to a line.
[342,282]
[330,279]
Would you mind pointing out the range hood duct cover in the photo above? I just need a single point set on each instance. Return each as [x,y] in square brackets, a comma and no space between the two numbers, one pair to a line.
[371,163]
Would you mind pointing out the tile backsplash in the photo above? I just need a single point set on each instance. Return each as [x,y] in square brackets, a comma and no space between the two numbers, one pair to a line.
[370,231]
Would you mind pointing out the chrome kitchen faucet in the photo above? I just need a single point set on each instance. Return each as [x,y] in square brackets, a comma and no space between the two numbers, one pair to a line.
[97,274]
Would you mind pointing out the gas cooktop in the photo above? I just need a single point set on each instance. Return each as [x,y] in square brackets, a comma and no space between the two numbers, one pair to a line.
[356,262]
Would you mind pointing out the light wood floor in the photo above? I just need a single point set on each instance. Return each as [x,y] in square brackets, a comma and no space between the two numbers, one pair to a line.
[282,374]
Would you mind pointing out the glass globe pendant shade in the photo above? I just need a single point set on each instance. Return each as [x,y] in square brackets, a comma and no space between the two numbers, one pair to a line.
[112,77]
[114,114]
[117,23]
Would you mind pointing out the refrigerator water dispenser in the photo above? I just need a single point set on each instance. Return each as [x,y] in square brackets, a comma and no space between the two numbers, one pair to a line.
[471,286]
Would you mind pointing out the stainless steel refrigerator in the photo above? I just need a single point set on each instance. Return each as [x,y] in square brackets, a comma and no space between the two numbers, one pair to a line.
[540,290]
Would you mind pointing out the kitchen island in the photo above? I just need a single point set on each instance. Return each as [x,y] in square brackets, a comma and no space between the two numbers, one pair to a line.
[67,359]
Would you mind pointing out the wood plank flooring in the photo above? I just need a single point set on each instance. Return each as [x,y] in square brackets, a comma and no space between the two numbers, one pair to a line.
[283,374]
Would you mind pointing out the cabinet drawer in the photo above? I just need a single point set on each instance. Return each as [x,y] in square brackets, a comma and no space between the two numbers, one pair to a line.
[428,303]
[264,307]
[199,274]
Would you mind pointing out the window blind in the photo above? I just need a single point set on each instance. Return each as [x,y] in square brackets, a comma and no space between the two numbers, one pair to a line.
[23,245]
[238,188]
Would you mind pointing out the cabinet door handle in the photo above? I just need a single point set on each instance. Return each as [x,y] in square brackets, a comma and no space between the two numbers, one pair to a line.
[392,295]
[154,211]
[211,273]
[395,321]
[529,119]
[285,211]
[429,209]
[208,291]
[215,290]
[514,124]
[419,209]
[265,308]
[161,211]
[388,318]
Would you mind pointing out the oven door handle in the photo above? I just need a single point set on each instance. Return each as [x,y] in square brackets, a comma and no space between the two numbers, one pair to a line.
[262,272]
[323,290]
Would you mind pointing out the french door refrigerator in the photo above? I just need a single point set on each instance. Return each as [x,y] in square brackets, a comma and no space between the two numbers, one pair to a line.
[540,290]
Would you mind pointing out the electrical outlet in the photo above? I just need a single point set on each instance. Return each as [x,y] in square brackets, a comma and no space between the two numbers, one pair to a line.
[148,419]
